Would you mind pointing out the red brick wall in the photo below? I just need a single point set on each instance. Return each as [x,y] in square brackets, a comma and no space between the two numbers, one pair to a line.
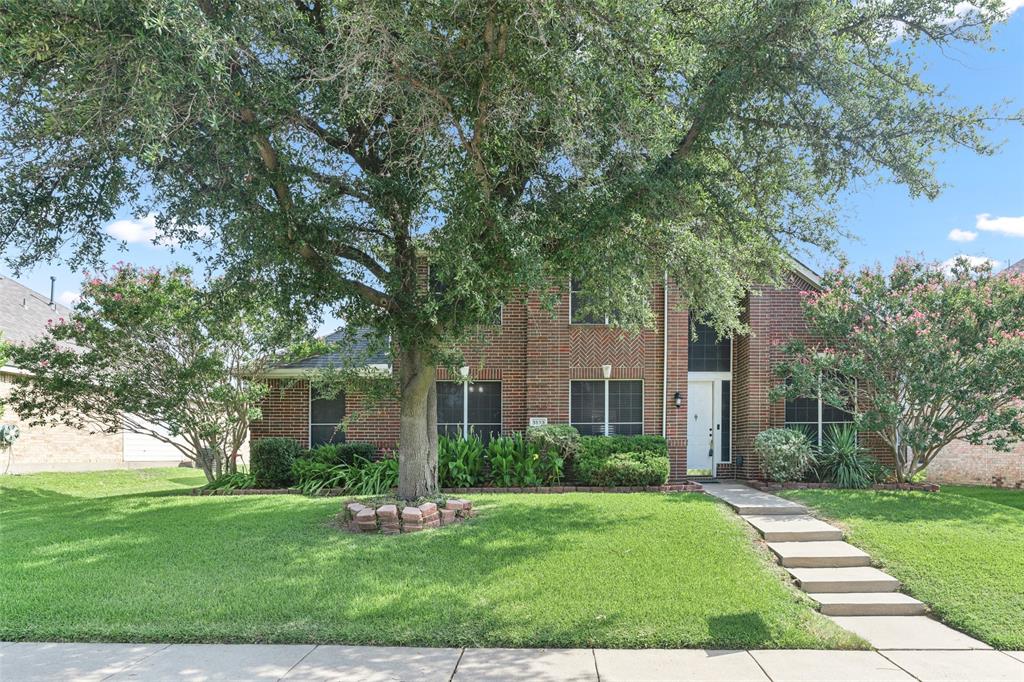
[537,352]
[961,462]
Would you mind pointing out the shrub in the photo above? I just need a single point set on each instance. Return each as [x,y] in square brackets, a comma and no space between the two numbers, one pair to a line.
[311,476]
[271,460]
[235,481]
[514,462]
[562,440]
[786,454]
[845,463]
[629,469]
[595,450]
[460,461]
[339,453]
[372,478]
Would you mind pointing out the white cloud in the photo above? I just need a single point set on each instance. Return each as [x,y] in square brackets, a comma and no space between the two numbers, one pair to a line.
[958,235]
[1012,226]
[68,298]
[136,230]
[975,261]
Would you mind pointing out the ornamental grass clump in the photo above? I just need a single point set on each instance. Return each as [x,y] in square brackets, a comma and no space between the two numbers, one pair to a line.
[786,454]
[845,463]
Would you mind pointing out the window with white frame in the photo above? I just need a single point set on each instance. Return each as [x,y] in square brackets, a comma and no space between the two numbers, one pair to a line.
[815,417]
[606,407]
[325,416]
[465,408]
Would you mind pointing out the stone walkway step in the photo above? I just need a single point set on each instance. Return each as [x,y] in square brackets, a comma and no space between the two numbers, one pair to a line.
[908,632]
[745,500]
[819,554]
[795,528]
[856,579]
[868,604]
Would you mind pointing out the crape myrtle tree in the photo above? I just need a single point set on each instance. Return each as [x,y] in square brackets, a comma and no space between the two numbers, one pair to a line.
[333,147]
[149,352]
[925,356]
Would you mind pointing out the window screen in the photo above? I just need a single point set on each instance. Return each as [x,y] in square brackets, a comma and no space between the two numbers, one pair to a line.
[577,299]
[625,414]
[625,408]
[481,415]
[325,416]
[587,413]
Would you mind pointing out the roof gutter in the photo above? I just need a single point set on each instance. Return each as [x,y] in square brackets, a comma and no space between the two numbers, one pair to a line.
[664,359]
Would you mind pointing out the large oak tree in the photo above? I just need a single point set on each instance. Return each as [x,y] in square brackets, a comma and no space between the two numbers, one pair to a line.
[332,145]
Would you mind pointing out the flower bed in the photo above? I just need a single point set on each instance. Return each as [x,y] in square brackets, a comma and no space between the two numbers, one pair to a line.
[388,519]
[769,486]
[686,487]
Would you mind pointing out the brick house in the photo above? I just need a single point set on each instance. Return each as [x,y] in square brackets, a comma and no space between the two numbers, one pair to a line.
[708,397]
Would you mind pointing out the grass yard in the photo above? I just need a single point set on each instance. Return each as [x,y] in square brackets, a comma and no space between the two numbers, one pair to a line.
[130,556]
[961,550]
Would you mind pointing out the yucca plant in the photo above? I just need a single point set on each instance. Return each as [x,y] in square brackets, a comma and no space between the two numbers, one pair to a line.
[844,462]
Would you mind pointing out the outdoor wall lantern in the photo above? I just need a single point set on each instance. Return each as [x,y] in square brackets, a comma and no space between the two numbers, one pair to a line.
[678,398]
[606,370]
[464,371]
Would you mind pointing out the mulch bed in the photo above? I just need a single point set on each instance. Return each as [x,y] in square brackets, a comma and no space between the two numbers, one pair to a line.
[771,486]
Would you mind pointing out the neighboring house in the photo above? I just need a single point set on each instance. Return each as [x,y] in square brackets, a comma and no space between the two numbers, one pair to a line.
[961,462]
[708,397]
[24,316]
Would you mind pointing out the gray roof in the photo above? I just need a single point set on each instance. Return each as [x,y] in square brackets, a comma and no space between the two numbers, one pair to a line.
[1015,269]
[24,314]
[356,348]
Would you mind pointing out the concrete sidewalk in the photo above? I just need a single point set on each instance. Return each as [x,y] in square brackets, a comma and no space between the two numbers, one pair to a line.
[24,661]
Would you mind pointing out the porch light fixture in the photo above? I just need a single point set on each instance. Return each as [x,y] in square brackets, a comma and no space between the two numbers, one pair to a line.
[678,399]
[464,371]
[606,371]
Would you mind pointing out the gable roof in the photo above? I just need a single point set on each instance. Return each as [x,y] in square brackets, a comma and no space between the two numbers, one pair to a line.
[24,314]
[1015,269]
[352,344]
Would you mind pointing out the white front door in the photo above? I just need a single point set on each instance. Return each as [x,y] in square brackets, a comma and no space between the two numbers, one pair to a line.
[700,427]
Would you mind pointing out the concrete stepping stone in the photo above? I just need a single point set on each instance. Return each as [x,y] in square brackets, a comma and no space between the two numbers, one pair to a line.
[867,604]
[745,500]
[946,666]
[855,579]
[819,554]
[795,528]
[907,632]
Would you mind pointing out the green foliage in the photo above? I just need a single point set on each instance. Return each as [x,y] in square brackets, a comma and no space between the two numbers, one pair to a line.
[931,356]
[271,461]
[460,462]
[513,462]
[617,144]
[628,469]
[339,453]
[561,439]
[595,451]
[785,454]
[149,352]
[844,462]
[236,481]
[372,478]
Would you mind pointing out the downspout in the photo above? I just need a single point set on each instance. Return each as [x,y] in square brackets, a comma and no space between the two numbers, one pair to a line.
[664,360]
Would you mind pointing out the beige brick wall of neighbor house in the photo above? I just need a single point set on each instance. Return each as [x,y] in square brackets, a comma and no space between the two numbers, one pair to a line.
[61,448]
[961,462]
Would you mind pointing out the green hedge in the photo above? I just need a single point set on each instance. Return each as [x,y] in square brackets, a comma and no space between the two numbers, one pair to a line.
[271,460]
[340,453]
[645,460]
[628,468]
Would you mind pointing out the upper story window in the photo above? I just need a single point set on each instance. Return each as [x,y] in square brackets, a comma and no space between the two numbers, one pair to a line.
[465,408]
[706,352]
[600,408]
[577,299]
[325,416]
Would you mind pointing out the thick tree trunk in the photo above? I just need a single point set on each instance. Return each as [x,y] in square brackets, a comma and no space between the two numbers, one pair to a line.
[417,436]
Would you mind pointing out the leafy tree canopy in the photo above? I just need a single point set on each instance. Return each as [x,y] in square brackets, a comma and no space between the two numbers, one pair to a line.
[330,146]
[930,357]
[148,352]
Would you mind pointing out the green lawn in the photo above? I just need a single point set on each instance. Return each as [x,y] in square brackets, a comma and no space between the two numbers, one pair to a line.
[128,555]
[960,550]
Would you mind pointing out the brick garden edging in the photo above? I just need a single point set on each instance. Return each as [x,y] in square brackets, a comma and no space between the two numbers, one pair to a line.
[689,487]
[768,486]
[387,519]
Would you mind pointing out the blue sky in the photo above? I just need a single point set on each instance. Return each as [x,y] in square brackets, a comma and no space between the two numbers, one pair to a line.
[980,214]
